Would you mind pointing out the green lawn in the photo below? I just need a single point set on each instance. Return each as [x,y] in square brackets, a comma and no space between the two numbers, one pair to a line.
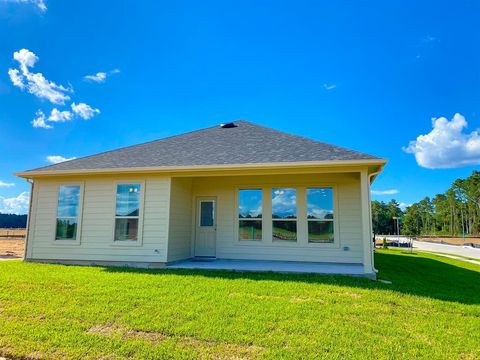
[431,310]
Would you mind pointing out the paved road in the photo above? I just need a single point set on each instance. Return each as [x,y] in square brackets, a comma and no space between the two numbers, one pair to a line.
[467,251]
[453,250]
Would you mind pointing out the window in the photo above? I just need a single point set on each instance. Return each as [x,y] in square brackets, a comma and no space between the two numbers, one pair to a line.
[320,215]
[284,214]
[127,212]
[68,210]
[250,214]
[207,213]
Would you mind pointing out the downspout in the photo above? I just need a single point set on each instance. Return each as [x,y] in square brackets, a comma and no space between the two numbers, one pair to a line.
[370,214]
[30,181]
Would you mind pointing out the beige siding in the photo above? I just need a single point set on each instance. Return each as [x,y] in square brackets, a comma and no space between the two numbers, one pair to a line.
[180,238]
[97,222]
[169,213]
[348,249]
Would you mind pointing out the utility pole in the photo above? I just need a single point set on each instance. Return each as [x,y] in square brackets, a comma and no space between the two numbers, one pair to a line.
[397,219]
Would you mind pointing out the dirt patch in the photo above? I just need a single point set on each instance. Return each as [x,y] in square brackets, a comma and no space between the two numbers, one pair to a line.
[204,346]
[11,248]
[451,240]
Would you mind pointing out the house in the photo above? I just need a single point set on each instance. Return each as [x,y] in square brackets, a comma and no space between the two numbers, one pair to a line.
[235,191]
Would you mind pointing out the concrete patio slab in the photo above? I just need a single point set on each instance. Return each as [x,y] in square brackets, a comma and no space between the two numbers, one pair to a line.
[276,266]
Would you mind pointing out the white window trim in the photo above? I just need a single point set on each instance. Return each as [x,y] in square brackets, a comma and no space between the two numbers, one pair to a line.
[335,242]
[77,240]
[237,215]
[139,241]
[302,226]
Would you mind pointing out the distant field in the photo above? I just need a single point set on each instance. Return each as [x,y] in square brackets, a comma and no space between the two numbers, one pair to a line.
[11,248]
[12,243]
[452,240]
[12,232]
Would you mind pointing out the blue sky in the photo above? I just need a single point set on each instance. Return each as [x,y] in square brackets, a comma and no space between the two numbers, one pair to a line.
[369,76]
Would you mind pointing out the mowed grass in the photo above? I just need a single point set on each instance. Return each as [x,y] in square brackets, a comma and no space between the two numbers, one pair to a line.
[431,310]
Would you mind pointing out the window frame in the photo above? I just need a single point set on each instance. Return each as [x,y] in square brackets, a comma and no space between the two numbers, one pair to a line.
[79,217]
[302,221]
[237,214]
[334,220]
[139,241]
[296,220]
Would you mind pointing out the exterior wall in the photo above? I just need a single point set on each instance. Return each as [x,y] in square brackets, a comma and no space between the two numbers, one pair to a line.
[349,247]
[97,222]
[169,213]
[180,230]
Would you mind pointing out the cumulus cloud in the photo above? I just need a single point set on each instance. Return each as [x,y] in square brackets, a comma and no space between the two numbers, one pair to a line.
[446,146]
[15,205]
[84,111]
[385,192]
[55,159]
[39,121]
[60,116]
[5,184]
[35,83]
[100,77]
[403,206]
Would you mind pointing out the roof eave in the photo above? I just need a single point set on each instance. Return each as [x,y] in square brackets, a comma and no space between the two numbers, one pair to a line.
[169,169]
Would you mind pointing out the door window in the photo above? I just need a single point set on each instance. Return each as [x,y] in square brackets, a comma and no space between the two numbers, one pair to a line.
[207,213]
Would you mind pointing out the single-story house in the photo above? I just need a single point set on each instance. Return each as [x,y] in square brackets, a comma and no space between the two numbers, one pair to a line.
[234,191]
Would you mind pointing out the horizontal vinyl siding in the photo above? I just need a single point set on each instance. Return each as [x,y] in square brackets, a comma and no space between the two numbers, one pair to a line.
[97,222]
[347,211]
[180,229]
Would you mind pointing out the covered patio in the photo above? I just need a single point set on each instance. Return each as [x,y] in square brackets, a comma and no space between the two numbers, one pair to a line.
[270,265]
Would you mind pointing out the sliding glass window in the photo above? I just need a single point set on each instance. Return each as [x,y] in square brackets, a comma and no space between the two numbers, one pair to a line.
[250,214]
[284,214]
[320,215]
[68,210]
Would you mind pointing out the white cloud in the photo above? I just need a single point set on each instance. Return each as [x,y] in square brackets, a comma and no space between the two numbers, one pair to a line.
[5,184]
[84,111]
[15,205]
[16,78]
[100,77]
[55,159]
[385,192]
[60,116]
[40,4]
[35,83]
[403,206]
[39,121]
[446,146]
[329,86]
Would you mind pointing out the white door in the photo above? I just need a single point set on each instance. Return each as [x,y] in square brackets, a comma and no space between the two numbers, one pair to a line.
[206,227]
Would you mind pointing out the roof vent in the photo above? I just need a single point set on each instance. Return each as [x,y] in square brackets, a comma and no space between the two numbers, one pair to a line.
[228,125]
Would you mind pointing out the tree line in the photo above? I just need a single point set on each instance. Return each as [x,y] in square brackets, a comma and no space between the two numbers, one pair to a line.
[454,212]
[12,221]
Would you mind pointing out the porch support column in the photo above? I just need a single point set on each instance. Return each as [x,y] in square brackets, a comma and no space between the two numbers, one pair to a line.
[366,225]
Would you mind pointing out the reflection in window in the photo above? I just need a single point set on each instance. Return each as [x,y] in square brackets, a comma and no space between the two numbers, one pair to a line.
[127,212]
[67,212]
[284,214]
[250,214]
[320,215]
[207,213]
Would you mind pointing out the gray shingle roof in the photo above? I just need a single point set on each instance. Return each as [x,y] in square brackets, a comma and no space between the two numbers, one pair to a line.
[247,143]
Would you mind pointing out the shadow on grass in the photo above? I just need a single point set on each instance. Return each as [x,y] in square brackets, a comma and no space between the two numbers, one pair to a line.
[413,274]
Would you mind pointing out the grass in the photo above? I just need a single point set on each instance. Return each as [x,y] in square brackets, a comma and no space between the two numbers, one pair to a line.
[431,310]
